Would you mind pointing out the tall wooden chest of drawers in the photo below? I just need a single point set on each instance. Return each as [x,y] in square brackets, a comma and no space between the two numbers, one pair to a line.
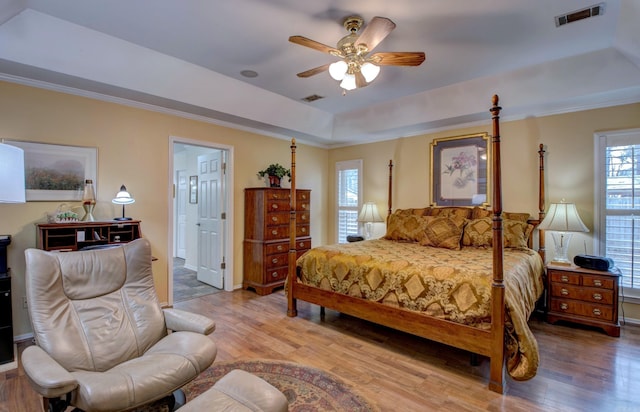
[588,297]
[266,235]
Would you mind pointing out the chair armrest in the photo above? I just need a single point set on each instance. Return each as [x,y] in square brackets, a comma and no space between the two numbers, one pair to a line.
[180,320]
[47,376]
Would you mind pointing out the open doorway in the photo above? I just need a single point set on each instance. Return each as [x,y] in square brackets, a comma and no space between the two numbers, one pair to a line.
[199,237]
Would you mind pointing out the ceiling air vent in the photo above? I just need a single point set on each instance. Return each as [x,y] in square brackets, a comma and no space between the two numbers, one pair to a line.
[312,98]
[591,11]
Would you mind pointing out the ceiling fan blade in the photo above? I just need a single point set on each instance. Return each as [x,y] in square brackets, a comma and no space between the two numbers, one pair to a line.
[303,41]
[397,58]
[360,80]
[374,32]
[314,71]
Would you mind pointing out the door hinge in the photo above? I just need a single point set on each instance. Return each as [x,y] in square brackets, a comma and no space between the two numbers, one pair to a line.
[223,215]
[223,265]
[224,168]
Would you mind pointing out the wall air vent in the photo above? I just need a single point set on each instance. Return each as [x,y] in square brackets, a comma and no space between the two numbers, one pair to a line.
[591,11]
[312,98]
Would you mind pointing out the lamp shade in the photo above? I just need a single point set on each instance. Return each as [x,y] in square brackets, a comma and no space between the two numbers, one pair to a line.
[348,82]
[338,69]
[369,71]
[563,217]
[12,187]
[123,197]
[369,213]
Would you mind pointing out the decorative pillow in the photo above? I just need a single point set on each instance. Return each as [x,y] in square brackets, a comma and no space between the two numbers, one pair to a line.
[520,217]
[478,232]
[463,212]
[405,227]
[480,212]
[418,212]
[443,232]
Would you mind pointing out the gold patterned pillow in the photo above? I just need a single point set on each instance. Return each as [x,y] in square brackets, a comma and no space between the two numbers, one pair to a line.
[405,227]
[520,217]
[463,212]
[480,212]
[443,232]
[478,232]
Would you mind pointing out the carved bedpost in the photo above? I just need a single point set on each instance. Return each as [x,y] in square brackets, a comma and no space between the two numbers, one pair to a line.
[389,200]
[291,278]
[541,206]
[497,378]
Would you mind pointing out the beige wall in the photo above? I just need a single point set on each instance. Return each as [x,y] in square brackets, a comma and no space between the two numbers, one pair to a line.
[133,148]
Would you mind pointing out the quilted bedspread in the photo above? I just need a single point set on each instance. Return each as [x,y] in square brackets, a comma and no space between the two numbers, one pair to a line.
[448,284]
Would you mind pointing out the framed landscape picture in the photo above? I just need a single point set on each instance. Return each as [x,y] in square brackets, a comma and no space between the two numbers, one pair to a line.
[459,172]
[57,172]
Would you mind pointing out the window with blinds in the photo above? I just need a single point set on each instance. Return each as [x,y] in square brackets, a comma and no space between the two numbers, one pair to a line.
[618,169]
[349,187]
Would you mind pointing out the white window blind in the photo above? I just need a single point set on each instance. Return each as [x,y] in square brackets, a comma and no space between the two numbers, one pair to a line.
[618,171]
[349,193]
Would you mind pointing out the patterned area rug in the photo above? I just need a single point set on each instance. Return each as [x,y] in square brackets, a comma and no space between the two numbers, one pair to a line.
[307,389]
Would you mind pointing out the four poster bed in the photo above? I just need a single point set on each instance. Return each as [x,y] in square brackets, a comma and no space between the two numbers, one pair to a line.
[436,275]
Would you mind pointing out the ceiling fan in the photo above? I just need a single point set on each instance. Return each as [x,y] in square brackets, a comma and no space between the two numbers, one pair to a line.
[357,68]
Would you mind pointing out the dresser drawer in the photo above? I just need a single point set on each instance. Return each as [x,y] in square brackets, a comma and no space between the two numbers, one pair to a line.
[277,218]
[564,277]
[274,261]
[276,232]
[278,206]
[275,274]
[585,309]
[302,230]
[594,295]
[598,281]
[276,248]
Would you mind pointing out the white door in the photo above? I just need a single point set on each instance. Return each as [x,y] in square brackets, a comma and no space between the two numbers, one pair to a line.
[210,223]
[181,214]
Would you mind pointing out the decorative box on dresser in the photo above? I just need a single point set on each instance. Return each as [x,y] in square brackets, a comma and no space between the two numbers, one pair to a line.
[584,296]
[266,235]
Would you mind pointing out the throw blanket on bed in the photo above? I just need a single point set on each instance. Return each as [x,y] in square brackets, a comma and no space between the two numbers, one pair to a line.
[448,284]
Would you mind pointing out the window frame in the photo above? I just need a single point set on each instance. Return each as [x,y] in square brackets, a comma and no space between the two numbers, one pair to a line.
[632,136]
[339,167]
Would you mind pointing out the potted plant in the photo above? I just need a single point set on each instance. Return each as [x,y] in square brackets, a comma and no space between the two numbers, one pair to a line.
[275,172]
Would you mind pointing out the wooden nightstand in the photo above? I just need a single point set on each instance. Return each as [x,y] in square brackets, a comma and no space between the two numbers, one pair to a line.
[588,297]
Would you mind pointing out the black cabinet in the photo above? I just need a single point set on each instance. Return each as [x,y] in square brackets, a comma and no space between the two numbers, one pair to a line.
[6,326]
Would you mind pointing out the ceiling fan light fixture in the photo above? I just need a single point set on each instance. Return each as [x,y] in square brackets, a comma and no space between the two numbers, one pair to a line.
[349,82]
[338,70]
[369,71]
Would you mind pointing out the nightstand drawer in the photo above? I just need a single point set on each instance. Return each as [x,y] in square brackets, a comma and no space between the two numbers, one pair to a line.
[597,281]
[594,295]
[564,277]
[582,309]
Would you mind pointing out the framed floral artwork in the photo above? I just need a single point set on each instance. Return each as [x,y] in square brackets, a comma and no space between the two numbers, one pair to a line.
[459,170]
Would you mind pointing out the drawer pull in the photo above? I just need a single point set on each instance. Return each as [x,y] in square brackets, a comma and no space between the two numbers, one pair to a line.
[303,229]
[597,282]
[597,296]
[304,217]
[564,278]
[274,219]
[274,274]
[274,260]
[280,247]
[274,206]
[274,232]
[564,306]
[275,196]
[597,312]
[303,197]
[564,292]
[304,206]
[301,244]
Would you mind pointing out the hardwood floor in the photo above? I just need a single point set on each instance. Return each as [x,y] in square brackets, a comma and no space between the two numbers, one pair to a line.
[580,369]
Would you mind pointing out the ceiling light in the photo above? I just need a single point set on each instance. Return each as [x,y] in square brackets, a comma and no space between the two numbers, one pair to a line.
[369,71]
[338,69]
[348,82]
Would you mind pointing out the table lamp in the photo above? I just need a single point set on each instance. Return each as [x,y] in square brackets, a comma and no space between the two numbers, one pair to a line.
[562,220]
[369,214]
[123,198]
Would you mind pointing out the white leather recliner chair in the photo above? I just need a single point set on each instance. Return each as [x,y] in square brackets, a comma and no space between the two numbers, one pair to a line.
[101,336]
